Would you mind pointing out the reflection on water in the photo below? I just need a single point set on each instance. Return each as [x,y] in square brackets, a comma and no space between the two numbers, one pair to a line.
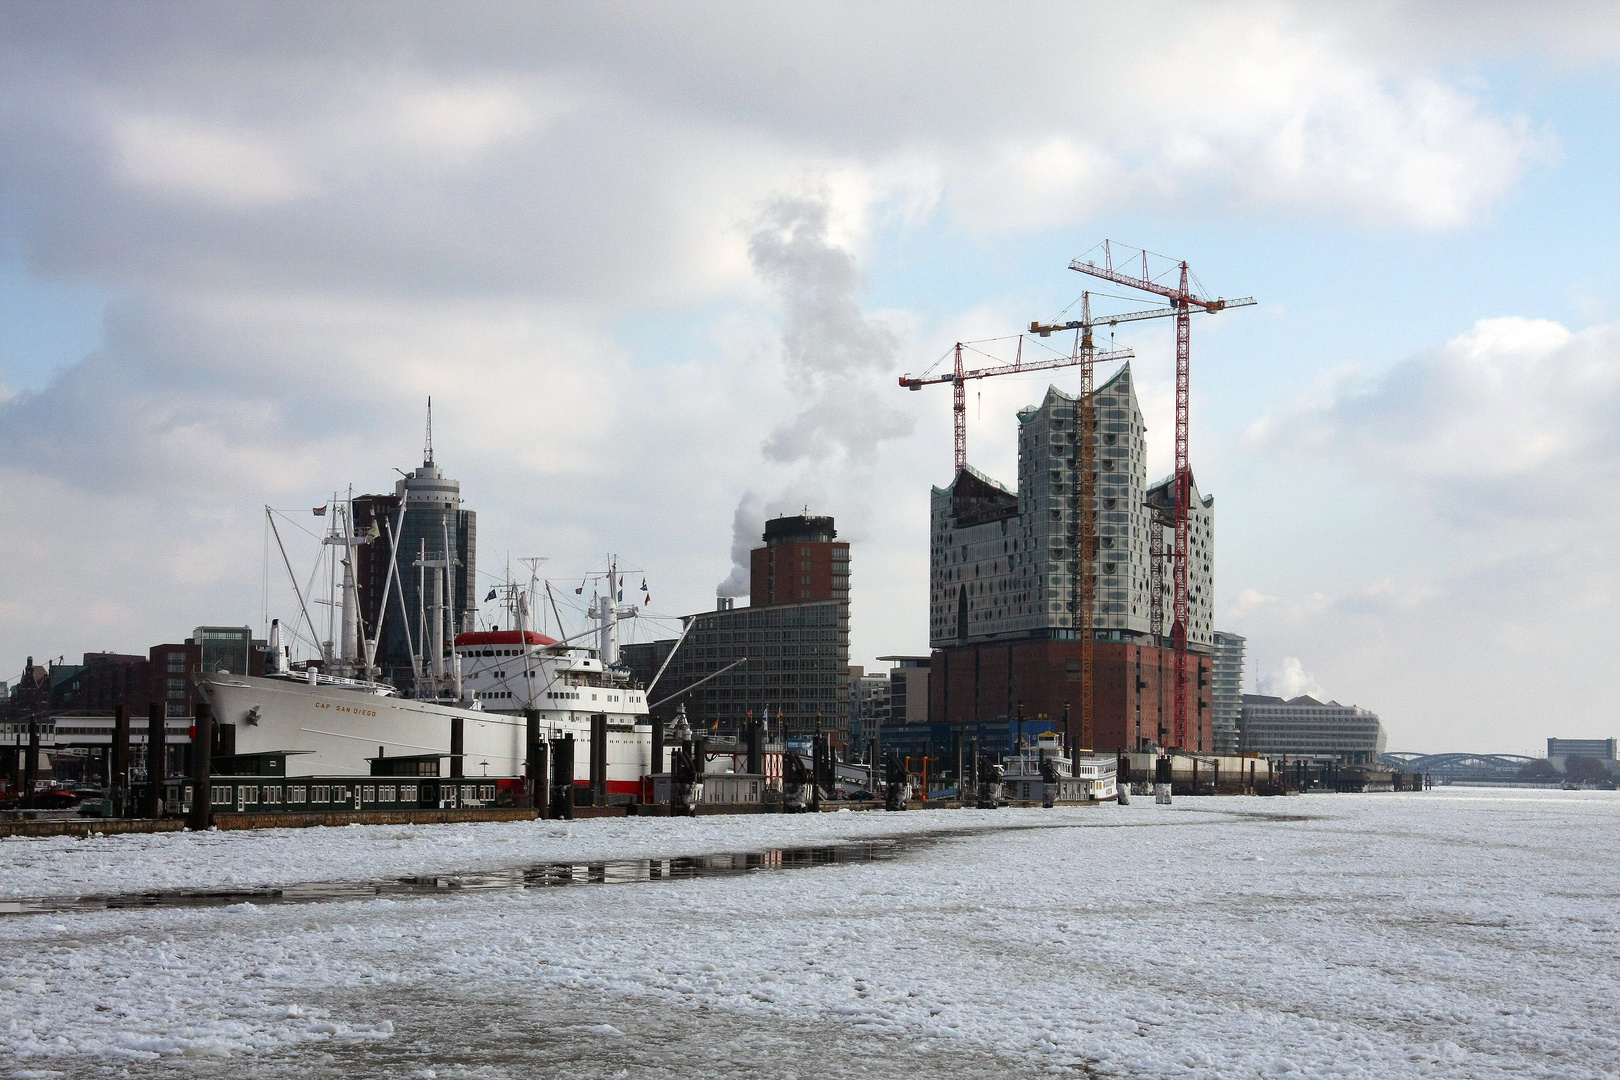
[542,875]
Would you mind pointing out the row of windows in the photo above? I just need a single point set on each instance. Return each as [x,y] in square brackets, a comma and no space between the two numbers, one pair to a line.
[246,795]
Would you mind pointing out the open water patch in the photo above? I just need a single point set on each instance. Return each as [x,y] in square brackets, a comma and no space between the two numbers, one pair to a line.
[536,876]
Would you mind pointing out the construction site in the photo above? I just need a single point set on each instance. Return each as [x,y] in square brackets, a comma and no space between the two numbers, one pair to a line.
[1081,599]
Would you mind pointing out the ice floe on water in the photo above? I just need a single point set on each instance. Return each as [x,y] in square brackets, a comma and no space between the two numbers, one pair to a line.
[1457,933]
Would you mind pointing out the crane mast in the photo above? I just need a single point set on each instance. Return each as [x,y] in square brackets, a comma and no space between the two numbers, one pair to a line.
[1182,302]
[1083,497]
[1082,552]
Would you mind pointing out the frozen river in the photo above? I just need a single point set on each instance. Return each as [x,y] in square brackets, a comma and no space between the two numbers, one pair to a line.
[1461,933]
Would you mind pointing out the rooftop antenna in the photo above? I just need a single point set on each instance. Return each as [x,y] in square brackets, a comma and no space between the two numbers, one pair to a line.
[427,451]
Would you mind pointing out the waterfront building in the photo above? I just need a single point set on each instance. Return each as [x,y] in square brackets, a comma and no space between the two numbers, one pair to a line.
[794,636]
[868,703]
[1308,729]
[1004,589]
[114,679]
[1227,694]
[908,688]
[1601,749]
[171,666]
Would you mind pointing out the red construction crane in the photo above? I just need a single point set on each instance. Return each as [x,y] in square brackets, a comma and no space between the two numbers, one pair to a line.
[1182,303]
[1080,548]
[959,378]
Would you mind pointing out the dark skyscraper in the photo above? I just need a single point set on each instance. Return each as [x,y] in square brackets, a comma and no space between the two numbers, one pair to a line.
[434,520]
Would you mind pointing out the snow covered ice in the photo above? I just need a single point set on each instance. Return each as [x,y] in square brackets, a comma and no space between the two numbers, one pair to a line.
[1461,933]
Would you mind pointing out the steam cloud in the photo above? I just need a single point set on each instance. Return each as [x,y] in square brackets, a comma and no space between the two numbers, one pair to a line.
[1290,681]
[833,356]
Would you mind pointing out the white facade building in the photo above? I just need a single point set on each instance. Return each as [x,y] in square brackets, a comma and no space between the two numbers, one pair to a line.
[1227,692]
[1304,727]
[1004,564]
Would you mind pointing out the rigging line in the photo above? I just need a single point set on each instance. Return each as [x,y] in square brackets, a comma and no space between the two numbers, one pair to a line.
[264,598]
[554,610]
[297,637]
[1112,296]
[399,590]
[370,648]
[289,519]
[284,559]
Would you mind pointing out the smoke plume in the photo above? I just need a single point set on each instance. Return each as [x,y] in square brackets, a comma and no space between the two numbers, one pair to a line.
[834,357]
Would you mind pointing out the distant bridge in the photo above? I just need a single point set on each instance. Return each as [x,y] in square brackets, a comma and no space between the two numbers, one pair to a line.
[1460,766]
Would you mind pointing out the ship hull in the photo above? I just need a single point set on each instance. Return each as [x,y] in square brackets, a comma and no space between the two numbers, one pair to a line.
[335,730]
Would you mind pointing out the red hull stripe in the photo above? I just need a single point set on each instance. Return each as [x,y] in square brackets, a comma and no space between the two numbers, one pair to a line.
[616,787]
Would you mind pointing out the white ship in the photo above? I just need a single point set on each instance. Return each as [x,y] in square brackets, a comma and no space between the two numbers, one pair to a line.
[337,716]
[1042,771]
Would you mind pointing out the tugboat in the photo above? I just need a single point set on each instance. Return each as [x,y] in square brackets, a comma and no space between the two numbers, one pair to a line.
[1042,771]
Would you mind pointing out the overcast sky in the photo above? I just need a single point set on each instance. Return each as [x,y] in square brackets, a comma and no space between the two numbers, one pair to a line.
[660,265]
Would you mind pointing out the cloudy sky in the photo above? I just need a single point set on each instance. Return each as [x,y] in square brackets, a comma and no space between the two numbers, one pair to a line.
[659,266]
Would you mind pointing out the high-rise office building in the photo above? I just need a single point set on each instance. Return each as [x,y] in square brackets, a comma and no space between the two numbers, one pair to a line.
[436,533]
[802,560]
[794,637]
[868,703]
[1227,698]
[1004,589]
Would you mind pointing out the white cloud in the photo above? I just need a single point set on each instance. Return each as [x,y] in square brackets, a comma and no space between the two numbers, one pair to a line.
[496,209]
[467,120]
[1454,499]
[177,156]
[1514,419]
[1249,600]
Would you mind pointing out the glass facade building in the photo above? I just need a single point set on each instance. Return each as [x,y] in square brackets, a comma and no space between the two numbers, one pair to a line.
[434,518]
[1303,727]
[1228,690]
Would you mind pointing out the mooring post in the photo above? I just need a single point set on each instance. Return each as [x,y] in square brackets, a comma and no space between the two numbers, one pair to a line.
[756,748]
[657,745]
[118,782]
[31,763]
[202,767]
[534,774]
[562,776]
[157,753]
[961,789]
[599,757]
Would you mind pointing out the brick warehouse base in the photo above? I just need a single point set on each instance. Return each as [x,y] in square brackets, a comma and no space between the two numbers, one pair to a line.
[1133,686]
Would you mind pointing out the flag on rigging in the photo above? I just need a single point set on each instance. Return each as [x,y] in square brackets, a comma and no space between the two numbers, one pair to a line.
[319,511]
[491,595]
